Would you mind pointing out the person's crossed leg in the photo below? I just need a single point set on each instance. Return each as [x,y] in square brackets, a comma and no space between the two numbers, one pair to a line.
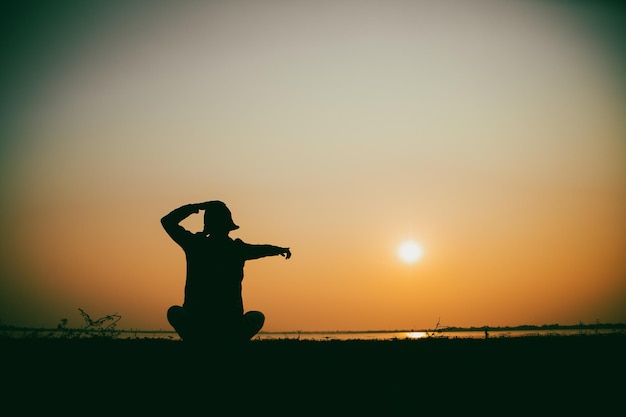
[188,328]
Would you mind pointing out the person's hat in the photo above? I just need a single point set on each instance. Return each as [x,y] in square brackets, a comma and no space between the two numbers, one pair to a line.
[218,217]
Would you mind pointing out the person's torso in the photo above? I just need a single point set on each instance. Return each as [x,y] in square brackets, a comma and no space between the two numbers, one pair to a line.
[214,276]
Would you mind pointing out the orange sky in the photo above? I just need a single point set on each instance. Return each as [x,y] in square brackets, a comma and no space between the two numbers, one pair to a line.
[493,134]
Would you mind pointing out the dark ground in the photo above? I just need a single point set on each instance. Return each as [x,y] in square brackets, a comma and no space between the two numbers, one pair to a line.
[496,376]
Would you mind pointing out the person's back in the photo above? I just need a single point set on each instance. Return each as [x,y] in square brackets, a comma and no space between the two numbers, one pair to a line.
[214,275]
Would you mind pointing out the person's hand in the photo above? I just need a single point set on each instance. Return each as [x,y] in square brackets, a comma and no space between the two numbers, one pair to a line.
[194,207]
[287,253]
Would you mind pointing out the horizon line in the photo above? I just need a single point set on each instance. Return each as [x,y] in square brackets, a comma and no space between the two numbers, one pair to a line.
[436,329]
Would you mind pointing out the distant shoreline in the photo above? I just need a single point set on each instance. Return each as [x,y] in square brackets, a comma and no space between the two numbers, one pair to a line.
[546,327]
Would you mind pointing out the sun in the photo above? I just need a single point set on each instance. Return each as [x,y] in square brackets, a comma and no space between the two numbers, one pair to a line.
[410,251]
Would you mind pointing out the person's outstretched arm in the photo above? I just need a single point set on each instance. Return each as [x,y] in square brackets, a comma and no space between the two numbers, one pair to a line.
[171,221]
[261,251]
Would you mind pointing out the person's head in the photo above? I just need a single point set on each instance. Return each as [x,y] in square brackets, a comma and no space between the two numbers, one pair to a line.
[217,218]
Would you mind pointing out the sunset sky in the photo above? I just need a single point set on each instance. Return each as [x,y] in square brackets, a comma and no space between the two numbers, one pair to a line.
[491,132]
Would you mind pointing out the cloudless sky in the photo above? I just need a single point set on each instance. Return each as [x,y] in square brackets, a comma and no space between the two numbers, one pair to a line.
[492,132]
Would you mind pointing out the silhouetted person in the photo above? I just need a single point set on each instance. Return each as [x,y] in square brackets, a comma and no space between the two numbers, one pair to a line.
[213,307]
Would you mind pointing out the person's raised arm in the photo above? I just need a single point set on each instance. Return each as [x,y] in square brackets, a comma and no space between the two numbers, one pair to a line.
[171,221]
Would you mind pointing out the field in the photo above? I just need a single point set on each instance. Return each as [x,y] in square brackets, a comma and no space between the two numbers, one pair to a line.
[475,374]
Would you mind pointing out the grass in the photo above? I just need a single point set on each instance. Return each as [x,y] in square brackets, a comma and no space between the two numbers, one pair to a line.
[92,371]
[304,377]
